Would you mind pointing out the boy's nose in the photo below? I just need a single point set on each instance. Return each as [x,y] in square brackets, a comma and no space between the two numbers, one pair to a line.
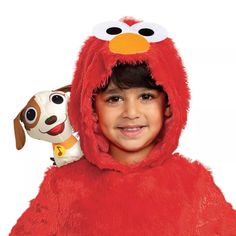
[131,111]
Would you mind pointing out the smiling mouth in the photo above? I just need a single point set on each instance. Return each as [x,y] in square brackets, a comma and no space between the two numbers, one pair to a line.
[57,129]
[131,131]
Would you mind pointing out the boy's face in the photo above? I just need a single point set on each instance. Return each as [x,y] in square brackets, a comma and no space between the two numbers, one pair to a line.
[131,118]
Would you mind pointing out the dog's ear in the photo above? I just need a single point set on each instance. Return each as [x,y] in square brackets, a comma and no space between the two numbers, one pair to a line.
[64,89]
[19,132]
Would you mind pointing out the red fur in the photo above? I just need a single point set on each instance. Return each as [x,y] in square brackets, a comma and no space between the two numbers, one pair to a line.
[165,194]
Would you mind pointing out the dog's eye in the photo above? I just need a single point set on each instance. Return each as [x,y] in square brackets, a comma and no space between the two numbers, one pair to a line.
[30,115]
[57,99]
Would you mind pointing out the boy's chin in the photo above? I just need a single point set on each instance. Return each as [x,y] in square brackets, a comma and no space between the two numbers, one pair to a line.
[133,148]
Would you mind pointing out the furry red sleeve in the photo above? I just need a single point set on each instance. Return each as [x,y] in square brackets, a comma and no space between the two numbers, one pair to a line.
[214,216]
[37,220]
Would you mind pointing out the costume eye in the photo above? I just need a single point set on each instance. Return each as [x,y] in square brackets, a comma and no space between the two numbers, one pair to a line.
[146,32]
[57,98]
[108,30]
[114,30]
[30,115]
[151,31]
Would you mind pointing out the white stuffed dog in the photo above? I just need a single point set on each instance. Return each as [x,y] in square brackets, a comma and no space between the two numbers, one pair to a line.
[45,117]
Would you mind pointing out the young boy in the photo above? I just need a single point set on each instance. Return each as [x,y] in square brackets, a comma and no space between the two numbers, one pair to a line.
[131,110]
[129,103]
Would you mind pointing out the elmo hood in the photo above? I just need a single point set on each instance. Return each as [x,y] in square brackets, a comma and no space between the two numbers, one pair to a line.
[127,41]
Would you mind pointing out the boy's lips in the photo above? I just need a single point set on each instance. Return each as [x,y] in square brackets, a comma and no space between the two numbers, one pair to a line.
[131,131]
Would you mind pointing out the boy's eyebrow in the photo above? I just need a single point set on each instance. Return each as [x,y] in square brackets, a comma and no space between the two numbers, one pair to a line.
[144,89]
[118,90]
[112,90]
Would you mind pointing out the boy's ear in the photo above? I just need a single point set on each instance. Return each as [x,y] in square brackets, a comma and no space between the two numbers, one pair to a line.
[95,116]
[168,111]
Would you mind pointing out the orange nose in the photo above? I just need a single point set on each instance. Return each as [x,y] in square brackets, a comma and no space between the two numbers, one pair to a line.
[129,43]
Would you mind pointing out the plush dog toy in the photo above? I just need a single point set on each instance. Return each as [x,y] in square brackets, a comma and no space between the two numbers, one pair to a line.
[45,117]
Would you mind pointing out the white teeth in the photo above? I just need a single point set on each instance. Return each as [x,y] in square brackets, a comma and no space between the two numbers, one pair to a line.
[132,129]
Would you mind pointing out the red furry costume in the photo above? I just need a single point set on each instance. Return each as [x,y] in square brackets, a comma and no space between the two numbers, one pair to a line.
[165,194]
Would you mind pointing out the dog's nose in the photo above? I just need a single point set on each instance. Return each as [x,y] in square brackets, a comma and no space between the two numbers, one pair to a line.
[51,120]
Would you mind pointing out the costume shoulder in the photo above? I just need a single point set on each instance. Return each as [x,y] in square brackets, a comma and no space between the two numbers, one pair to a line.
[213,215]
[43,214]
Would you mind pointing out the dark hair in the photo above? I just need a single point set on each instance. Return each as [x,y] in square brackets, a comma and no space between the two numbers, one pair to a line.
[126,76]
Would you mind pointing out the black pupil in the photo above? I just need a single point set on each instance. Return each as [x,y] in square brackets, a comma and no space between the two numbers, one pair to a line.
[30,114]
[57,99]
[146,32]
[114,30]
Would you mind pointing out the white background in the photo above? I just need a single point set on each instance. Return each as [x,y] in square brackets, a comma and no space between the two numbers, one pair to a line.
[39,44]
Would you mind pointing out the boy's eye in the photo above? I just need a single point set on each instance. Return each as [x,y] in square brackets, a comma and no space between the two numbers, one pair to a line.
[113,99]
[147,96]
